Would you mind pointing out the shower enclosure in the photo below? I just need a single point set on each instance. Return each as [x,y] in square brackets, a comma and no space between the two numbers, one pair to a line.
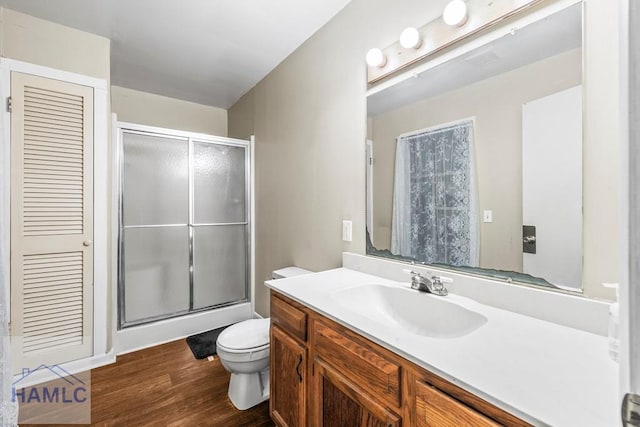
[183,223]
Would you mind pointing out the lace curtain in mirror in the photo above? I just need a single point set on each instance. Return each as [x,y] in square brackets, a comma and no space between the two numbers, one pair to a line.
[435,204]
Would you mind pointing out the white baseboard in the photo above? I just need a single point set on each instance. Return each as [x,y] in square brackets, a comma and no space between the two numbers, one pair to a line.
[73,367]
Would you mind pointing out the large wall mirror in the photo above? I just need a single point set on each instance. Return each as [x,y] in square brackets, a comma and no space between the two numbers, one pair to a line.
[477,162]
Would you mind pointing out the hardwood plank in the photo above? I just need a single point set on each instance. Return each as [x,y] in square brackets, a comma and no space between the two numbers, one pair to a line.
[166,386]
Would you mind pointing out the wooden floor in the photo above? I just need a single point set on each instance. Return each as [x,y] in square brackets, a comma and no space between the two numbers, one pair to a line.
[167,386]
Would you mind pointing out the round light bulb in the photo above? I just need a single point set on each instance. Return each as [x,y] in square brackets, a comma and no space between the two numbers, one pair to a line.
[410,38]
[455,13]
[375,58]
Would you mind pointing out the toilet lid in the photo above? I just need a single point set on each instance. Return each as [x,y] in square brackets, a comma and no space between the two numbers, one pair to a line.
[245,335]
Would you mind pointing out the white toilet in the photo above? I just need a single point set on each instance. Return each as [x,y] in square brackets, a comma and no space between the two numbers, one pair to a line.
[243,349]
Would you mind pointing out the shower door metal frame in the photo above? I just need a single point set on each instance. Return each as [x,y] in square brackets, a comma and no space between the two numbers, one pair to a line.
[190,138]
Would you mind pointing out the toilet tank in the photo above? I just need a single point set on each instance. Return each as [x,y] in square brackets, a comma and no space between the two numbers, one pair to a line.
[283,273]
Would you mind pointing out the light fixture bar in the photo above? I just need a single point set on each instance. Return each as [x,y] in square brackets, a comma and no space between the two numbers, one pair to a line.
[437,35]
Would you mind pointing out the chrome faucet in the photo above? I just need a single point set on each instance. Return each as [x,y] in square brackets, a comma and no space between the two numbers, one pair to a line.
[433,285]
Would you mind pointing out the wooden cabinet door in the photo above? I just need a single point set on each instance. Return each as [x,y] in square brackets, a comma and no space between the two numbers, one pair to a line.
[339,403]
[436,409]
[288,380]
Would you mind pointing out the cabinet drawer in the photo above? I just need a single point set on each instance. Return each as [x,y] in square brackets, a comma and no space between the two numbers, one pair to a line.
[289,318]
[359,363]
[436,409]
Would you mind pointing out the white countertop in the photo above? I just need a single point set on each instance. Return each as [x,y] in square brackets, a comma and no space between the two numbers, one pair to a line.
[542,372]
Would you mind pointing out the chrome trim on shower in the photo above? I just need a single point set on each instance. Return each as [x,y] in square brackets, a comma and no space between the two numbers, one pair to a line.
[190,228]
[214,224]
[120,261]
[154,226]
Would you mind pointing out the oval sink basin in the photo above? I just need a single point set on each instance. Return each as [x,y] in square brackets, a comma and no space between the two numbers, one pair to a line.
[417,312]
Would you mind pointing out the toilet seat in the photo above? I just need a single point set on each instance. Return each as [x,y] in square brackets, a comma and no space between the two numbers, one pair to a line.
[245,341]
[242,350]
[243,355]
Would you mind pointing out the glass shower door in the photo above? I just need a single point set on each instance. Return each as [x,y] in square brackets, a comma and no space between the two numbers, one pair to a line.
[220,226]
[155,234]
[184,229]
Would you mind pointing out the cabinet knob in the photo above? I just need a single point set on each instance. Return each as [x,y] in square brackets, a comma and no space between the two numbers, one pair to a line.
[87,243]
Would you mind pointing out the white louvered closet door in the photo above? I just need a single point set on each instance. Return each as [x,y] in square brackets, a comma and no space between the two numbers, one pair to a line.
[51,221]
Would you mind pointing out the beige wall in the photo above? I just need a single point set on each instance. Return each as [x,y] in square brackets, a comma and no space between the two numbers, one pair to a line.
[496,105]
[241,116]
[155,110]
[309,118]
[40,42]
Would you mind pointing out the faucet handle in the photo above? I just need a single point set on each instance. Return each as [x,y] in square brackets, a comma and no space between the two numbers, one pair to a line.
[417,280]
[437,287]
[413,274]
[442,279]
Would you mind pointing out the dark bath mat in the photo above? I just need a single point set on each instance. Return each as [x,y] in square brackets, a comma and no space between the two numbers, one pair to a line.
[203,345]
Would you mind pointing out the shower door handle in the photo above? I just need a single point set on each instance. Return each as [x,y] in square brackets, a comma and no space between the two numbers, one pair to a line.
[298,368]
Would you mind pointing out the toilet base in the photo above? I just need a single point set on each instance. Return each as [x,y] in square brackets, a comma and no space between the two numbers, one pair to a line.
[248,390]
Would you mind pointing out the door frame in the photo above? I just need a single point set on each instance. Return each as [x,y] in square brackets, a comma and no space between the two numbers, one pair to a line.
[101,200]
[630,230]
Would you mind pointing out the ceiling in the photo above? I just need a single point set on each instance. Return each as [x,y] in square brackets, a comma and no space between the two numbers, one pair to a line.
[206,51]
[550,36]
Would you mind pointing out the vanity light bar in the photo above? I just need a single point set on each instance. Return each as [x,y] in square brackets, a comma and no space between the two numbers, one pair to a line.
[460,19]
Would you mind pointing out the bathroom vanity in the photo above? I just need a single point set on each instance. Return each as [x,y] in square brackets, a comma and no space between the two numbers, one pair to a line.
[322,371]
[342,354]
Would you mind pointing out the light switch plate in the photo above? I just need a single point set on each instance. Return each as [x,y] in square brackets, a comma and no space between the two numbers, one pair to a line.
[487,216]
[347,231]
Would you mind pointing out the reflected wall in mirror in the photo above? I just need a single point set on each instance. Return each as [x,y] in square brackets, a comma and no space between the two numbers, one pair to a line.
[477,162]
